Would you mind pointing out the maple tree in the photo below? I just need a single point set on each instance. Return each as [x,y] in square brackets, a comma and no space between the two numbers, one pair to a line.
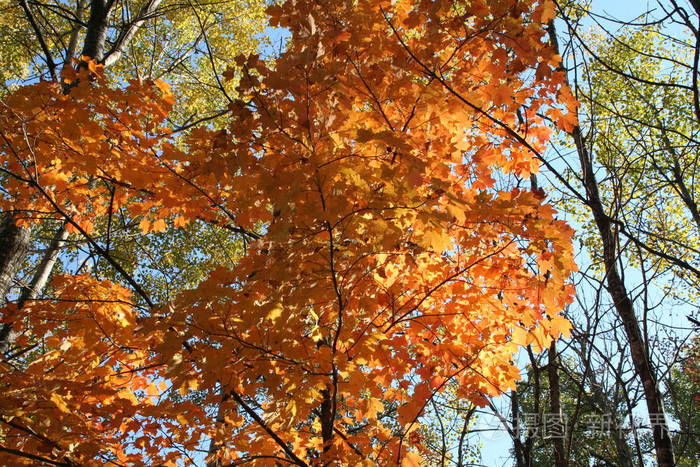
[385,260]
[189,44]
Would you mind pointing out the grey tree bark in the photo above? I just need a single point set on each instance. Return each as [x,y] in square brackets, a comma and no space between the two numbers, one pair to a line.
[96,35]
[14,241]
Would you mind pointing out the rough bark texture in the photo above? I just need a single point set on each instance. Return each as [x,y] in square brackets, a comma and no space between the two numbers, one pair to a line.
[14,242]
[96,33]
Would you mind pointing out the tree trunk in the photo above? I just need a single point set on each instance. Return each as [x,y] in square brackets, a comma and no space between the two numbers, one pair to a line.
[37,284]
[327,421]
[74,34]
[518,448]
[129,32]
[14,242]
[213,445]
[96,34]
[555,408]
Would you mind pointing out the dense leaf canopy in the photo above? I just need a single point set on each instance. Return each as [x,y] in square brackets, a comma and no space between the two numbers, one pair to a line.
[383,260]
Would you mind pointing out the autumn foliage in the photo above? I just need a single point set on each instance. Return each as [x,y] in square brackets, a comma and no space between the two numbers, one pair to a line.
[77,149]
[367,166]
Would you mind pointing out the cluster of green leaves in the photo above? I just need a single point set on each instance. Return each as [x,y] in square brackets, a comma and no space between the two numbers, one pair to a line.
[637,99]
[13,57]
[190,44]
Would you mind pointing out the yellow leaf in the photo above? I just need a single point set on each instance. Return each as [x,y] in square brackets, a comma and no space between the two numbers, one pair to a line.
[192,384]
[159,225]
[275,312]
[456,212]
[521,336]
[411,459]
[548,11]
[180,221]
[145,225]
[560,326]
[438,240]
[60,403]
[163,86]
[152,390]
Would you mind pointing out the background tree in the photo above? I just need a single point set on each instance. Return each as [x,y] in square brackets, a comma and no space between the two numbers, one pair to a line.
[629,185]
